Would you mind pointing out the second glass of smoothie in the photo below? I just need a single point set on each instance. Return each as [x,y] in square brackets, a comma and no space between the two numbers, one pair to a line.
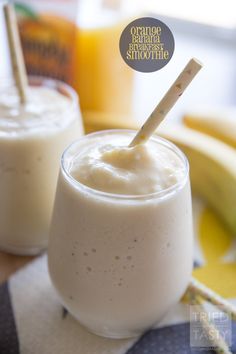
[32,139]
[120,246]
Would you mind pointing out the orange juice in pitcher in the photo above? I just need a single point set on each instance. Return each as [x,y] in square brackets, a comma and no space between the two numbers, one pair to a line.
[103,80]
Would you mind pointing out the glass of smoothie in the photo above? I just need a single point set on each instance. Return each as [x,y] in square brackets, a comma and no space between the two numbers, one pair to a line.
[32,139]
[120,245]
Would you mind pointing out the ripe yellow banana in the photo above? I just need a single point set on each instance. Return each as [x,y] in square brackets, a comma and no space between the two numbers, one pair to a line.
[220,125]
[94,121]
[212,169]
[212,162]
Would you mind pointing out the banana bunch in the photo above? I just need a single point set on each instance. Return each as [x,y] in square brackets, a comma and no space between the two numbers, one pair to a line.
[209,148]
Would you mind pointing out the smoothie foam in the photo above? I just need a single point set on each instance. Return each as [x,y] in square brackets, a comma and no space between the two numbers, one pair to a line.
[123,170]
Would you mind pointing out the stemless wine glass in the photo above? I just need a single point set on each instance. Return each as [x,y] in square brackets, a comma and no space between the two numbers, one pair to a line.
[118,262]
[30,151]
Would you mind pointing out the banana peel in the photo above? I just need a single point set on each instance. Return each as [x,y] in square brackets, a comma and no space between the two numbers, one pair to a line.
[221,125]
[212,169]
[212,162]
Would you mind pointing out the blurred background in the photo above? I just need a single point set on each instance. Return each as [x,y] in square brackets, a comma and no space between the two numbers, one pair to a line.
[78,42]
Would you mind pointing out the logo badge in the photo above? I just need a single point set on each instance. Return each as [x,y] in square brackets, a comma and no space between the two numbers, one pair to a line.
[147,44]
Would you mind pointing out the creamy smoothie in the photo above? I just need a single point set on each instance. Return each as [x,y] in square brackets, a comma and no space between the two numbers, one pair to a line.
[120,246]
[32,138]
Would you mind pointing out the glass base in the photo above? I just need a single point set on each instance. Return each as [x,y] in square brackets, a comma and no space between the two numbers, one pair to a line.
[23,251]
[112,334]
[106,331]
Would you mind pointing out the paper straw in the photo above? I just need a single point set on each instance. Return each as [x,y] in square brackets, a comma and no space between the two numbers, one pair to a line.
[200,289]
[167,102]
[217,341]
[17,60]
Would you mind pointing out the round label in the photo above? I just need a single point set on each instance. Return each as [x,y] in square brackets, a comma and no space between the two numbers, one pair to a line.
[147,44]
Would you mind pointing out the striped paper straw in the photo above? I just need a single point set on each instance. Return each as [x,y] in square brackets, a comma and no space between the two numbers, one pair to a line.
[209,295]
[214,336]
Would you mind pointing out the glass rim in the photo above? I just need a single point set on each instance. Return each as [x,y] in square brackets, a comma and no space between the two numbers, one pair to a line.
[128,197]
[61,86]
[38,80]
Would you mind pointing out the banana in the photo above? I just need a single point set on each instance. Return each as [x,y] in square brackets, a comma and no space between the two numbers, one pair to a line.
[212,169]
[212,162]
[94,121]
[221,125]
